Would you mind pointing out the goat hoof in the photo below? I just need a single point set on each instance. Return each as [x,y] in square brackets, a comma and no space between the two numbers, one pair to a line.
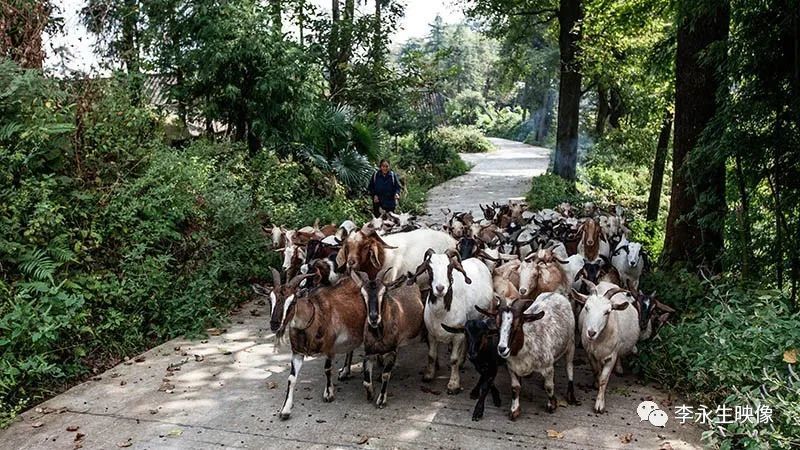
[552,405]
[427,378]
[284,416]
[327,399]
[343,376]
[599,409]
[514,414]
[453,391]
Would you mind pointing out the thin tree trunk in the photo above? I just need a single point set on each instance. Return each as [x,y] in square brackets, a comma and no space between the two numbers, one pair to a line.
[694,232]
[744,215]
[333,50]
[300,19]
[570,14]
[275,12]
[616,108]
[602,110]
[656,183]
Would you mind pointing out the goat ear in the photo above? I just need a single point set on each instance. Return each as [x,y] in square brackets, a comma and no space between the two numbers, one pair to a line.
[620,306]
[453,330]
[280,250]
[663,318]
[276,278]
[485,312]
[662,306]
[373,255]
[341,257]
[578,297]
[532,317]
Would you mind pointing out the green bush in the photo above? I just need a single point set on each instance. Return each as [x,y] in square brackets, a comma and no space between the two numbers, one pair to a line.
[422,164]
[462,139]
[730,340]
[504,122]
[466,108]
[548,190]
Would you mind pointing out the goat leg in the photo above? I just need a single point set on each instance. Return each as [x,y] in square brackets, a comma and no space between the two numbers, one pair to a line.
[456,359]
[549,388]
[297,363]
[495,393]
[368,377]
[344,372]
[329,393]
[515,389]
[388,365]
[484,384]
[605,374]
[570,356]
[476,391]
[433,355]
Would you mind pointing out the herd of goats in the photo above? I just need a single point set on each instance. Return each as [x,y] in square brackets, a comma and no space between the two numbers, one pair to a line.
[507,289]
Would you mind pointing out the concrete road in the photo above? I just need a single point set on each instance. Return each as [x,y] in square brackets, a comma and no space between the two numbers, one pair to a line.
[225,391]
[496,176]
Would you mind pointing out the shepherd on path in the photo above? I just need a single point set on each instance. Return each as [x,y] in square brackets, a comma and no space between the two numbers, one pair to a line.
[385,189]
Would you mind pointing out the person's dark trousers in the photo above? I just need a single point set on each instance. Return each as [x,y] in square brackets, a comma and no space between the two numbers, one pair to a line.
[376,209]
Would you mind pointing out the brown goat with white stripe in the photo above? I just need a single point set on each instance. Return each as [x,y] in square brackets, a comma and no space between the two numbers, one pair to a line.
[327,321]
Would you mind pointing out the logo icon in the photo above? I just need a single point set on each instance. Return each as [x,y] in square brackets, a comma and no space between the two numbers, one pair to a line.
[649,411]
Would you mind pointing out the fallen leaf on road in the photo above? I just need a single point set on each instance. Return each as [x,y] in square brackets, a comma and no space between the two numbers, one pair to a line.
[364,439]
[127,443]
[44,410]
[72,428]
[215,331]
[790,356]
[123,382]
[553,434]
[255,312]
[139,358]
[175,433]
[271,385]
[626,438]
[36,424]
[199,358]
[665,446]
[177,348]
[153,411]
[97,378]
[562,403]
[428,390]
[114,375]
[166,387]
[79,436]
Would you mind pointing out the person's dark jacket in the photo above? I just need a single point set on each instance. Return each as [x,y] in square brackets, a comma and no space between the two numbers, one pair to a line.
[385,187]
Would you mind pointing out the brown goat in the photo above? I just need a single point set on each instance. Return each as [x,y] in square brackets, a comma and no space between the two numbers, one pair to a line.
[394,318]
[327,321]
[591,238]
[362,251]
[538,276]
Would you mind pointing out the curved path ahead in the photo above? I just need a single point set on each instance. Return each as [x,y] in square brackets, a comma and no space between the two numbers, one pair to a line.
[228,395]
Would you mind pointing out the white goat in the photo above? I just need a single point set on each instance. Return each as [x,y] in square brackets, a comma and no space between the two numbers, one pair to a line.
[609,330]
[627,259]
[452,302]
[533,336]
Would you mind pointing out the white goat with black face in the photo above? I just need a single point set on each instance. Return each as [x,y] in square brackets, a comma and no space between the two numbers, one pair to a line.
[452,302]
[628,259]
[533,336]
[609,330]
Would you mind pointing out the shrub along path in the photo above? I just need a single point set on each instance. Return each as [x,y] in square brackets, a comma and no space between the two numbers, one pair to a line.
[224,391]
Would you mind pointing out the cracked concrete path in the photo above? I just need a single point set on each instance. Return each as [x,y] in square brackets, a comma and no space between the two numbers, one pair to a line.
[225,391]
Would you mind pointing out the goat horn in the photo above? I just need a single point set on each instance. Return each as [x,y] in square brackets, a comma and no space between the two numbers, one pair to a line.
[452,254]
[561,261]
[664,307]
[614,291]
[297,279]
[592,286]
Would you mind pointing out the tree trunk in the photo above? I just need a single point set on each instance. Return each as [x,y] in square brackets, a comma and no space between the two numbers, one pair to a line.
[21,28]
[744,215]
[333,51]
[301,8]
[275,12]
[654,201]
[602,110]
[377,39]
[694,232]
[616,108]
[570,15]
